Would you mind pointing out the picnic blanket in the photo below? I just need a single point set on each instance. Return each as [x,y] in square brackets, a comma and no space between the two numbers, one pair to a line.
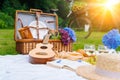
[17,67]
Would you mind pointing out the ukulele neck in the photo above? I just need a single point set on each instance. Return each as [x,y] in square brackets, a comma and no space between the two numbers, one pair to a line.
[46,39]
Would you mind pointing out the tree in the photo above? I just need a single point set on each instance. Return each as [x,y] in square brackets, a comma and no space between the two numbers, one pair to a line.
[44,5]
[10,6]
[6,21]
[1,2]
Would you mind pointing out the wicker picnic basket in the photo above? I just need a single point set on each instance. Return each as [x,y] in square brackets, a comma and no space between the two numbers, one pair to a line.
[28,18]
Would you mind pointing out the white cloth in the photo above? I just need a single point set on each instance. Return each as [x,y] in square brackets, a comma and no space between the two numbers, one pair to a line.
[17,67]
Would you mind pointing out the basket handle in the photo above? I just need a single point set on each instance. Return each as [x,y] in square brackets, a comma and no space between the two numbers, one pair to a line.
[37,18]
[36,10]
[20,22]
[37,22]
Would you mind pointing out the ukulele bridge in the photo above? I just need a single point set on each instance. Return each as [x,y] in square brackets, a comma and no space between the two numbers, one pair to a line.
[41,53]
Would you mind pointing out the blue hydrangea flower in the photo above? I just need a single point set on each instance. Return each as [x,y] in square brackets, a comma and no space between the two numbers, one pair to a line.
[71,33]
[112,39]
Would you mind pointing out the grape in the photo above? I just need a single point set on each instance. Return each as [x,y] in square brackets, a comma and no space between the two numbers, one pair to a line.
[91,60]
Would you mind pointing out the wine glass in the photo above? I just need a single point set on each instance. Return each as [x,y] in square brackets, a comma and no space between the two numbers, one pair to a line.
[89,48]
[102,49]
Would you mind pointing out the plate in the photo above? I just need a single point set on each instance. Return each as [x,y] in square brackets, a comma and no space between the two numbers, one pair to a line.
[42,32]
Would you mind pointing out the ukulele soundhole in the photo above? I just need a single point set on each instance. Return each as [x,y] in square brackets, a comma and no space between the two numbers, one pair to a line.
[41,53]
[43,47]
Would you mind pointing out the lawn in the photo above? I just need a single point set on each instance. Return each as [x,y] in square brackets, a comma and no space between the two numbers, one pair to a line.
[95,38]
[7,43]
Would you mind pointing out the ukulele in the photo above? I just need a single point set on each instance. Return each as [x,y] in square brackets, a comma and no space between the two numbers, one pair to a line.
[42,53]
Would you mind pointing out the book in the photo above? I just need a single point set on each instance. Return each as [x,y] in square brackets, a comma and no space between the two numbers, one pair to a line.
[67,64]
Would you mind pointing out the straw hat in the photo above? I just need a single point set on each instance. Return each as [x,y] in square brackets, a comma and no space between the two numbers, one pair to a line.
[89,73]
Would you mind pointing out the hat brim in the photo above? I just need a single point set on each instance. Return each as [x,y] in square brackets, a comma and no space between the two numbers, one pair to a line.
[89,73]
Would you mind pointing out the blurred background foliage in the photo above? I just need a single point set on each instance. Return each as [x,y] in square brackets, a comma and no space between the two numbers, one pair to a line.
[79,8]
[8,8]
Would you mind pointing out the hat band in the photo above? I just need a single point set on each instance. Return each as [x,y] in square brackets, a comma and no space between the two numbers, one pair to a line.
[106,73]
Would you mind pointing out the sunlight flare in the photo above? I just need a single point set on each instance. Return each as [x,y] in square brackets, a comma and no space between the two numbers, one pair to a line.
[109,4]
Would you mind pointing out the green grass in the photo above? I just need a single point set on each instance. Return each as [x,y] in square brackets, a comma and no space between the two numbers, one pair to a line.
[7,43]
[95,38]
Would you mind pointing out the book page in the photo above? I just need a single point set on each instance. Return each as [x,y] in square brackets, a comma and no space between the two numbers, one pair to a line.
[55,63]
[67,64]
[73,64]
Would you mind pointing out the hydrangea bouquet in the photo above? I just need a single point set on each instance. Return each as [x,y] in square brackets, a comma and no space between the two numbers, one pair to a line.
[112,39]
[66,35]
